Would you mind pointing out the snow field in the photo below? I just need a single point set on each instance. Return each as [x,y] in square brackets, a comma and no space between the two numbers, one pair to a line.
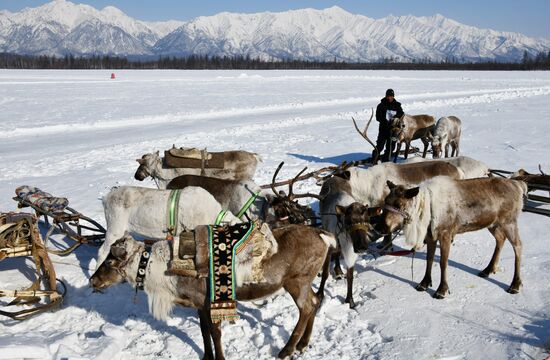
[76,134]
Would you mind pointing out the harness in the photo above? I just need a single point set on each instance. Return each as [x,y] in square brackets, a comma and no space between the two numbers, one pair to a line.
[172,218]
[403,213]
[247,205]
[173,202]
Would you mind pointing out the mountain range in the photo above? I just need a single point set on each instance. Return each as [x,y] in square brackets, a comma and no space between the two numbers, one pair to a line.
[61,27]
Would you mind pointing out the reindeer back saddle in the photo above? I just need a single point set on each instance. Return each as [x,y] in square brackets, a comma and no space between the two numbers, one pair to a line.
[193,158]
[213,252]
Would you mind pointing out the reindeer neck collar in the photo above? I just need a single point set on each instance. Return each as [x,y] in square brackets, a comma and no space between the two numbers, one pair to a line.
[142,267]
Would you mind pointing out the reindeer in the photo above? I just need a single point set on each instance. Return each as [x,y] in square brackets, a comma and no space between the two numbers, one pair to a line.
[300,253]
[411,127]
[144,211]
[238,165]
[276,209]
[468,167]
[532,179]
[447,132]
[367,186]
[441,208]
[404,129]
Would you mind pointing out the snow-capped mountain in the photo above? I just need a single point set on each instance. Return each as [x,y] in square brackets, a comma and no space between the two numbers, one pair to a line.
[334,33]
[61,27]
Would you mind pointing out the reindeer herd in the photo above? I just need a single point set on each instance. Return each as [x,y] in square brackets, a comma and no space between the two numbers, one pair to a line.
[430,201]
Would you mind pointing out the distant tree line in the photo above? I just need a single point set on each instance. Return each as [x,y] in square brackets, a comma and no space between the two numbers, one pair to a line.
[200,62]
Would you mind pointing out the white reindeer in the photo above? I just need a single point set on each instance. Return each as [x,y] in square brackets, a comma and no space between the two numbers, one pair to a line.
[447,133]
[469,168]
[144,211]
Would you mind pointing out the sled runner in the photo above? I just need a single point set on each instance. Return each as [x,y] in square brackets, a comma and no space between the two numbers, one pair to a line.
[20,237]
[59,216]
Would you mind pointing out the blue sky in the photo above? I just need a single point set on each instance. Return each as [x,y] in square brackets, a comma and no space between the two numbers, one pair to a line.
[526,16]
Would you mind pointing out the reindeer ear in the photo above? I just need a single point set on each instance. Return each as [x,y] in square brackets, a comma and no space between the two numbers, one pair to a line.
[346,175]
[340,210]
[391,185]
[157,153]
[410,193]
[118,249]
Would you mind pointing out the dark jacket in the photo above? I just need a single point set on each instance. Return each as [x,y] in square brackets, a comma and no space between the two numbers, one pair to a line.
[384,106]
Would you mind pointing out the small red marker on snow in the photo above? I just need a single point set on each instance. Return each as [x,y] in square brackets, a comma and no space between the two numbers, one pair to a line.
[113,76]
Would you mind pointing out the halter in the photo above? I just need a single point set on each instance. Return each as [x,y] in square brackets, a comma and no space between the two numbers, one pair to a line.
[403,213]
[358,227]
[398,126]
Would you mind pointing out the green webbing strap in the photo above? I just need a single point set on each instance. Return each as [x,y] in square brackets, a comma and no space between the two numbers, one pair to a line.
[220,217]
[173,202]
[247,205]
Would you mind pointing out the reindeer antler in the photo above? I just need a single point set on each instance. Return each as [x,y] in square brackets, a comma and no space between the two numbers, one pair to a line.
[364,132]
[291,184]
[275,177]
[314,174]
[291,196]
[540,169]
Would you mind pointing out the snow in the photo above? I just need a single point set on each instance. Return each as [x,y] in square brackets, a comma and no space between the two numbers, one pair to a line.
[76,134]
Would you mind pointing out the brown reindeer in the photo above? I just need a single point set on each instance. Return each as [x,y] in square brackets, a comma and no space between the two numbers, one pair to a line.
[300,253]
[532,179]
[441,208]
[368,186]
[411,127]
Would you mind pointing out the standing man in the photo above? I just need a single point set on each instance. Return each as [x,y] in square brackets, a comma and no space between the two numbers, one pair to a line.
[385,111]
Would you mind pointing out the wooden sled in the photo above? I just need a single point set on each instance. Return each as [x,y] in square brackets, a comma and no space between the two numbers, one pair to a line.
[69,222]
[20,237]
[533,202]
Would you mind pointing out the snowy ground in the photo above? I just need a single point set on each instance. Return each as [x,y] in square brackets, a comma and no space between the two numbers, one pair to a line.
[77,133]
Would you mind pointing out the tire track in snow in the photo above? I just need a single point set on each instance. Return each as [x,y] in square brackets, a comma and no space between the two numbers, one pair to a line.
[113,154]
[439,100]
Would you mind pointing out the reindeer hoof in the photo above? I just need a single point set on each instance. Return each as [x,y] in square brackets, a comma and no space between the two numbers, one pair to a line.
[441,293]
[423,286]
[513,290]
[301,347]
[351,303]
[285,353]
[339,276]
[483,274]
